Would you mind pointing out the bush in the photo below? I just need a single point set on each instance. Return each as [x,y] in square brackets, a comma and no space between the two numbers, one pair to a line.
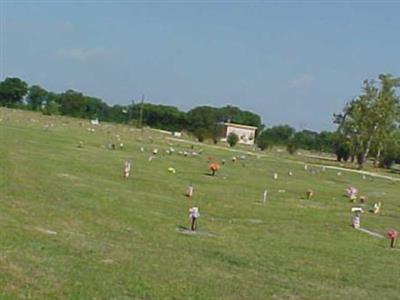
[342,151]
[52,108]
[262,143]
[291,147]
[232,139]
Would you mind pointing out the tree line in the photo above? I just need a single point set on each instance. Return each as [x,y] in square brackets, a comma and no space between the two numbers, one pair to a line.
[368,126]
[202,121]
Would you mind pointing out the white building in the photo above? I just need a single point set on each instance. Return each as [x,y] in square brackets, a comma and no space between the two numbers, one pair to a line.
[245,133]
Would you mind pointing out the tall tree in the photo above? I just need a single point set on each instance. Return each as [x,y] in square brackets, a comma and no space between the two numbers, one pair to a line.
[371,116]
[12,91]
[37,96]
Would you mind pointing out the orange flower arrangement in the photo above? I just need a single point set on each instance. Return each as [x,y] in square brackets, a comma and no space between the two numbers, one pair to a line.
[214,167]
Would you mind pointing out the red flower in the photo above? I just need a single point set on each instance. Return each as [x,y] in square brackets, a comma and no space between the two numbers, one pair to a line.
[392,234]
[214,167]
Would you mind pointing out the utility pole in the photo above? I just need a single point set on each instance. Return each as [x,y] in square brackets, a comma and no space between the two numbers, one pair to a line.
[130,110]
[141,113]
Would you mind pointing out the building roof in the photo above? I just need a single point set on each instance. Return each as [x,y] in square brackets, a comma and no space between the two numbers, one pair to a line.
[240,126]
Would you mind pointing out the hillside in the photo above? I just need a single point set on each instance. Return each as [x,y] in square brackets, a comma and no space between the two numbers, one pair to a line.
[73,228]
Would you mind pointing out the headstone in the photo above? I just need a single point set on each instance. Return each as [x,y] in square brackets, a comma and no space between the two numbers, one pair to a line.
[376,207]
[189,191]
[265,195]
[356,221]
[127,169]
[309,194]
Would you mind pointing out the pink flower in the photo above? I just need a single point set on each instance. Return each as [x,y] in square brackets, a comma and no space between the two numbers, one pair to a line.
[392,234]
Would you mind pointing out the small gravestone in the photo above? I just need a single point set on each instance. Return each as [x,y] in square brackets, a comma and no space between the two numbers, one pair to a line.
[376,207]
[355,220]
[305,168]
[275,176]
[127,169]
[265,195]
[290,173]
[309,194]
[189,190]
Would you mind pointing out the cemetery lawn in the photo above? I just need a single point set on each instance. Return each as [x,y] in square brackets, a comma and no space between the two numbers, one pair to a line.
[73,228]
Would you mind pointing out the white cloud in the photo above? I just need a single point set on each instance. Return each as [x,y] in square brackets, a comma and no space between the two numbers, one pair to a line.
[81,54]
[302,81]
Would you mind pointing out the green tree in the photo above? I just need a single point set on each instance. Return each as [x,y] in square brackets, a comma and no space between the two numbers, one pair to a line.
[305,139]
[369,119]
[292,146]
[262,142]
[278,135]
[232,139]
[51,108]
[203,122]
[12,91]
[37,96]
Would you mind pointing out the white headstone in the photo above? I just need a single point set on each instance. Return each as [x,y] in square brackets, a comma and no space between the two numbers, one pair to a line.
[265,195]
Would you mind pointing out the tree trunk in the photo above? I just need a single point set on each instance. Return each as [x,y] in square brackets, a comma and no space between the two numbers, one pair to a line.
[367,149]
[377,158]
[365,154]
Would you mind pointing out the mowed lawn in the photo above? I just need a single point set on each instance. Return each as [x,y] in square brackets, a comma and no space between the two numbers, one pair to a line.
[73,228]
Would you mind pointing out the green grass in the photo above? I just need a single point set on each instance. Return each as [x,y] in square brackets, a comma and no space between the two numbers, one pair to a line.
[118,239]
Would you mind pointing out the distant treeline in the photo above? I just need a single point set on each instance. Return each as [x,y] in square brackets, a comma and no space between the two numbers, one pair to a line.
[201,121]
[368,126]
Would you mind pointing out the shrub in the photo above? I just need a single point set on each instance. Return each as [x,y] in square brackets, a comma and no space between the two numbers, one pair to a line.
[232,139]
[291,147]
[262,143]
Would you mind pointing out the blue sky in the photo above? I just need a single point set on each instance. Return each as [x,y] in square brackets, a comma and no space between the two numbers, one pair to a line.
[291,62]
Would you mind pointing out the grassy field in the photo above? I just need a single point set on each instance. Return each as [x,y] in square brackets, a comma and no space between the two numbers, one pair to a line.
[73,228]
